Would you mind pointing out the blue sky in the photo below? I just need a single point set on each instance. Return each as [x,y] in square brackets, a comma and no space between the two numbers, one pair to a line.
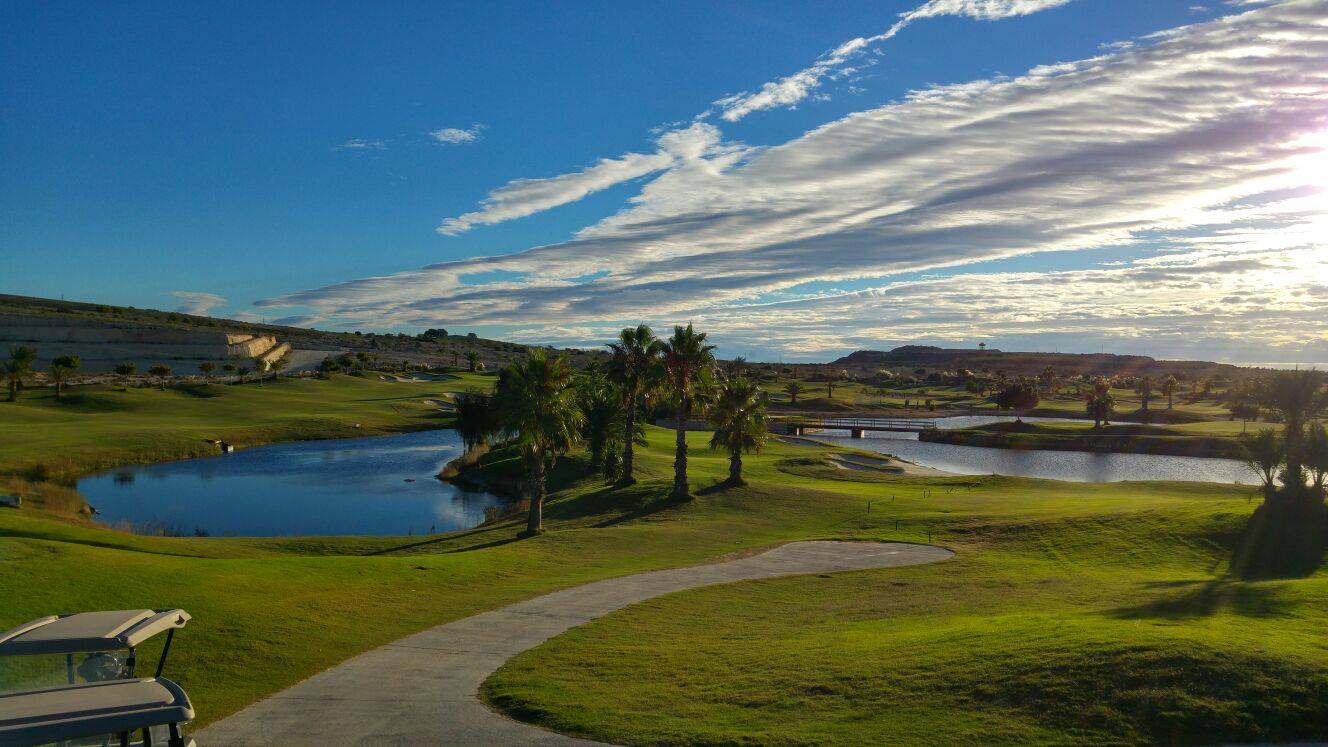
[252,152]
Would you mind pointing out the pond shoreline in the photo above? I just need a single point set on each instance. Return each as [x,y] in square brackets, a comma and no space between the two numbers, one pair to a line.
[1206,447]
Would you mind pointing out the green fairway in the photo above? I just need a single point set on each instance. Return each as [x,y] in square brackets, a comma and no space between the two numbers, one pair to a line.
[1072,613]
[97,427]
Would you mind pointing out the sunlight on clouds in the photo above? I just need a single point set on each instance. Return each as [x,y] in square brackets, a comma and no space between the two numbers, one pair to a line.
[1202,151]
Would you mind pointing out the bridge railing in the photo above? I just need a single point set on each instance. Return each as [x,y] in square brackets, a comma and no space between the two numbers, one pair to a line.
[866,423]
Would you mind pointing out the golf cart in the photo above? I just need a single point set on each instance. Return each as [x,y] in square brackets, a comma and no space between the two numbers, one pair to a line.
[112,704]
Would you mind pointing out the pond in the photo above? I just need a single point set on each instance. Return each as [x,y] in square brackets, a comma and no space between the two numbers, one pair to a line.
[1073,466]
[382,485]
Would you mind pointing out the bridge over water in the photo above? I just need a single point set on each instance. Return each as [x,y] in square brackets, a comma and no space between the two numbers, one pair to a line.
[858,426]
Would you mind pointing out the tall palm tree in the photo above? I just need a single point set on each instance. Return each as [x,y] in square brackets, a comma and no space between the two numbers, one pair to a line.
[687,362]
[793,389]
[1048,379]
[537,408]
[738,415]
[1144,387]
[1298,396]
[1169,385]
[18,366]
[636,368]
[61,368]
[472,360]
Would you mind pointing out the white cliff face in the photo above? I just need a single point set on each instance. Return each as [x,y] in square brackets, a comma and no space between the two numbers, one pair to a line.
[103,344]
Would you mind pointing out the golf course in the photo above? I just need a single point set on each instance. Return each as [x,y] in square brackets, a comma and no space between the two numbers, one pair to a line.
[1082,613]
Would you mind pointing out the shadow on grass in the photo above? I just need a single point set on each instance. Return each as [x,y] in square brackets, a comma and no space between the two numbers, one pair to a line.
[1280,541]
[203,391]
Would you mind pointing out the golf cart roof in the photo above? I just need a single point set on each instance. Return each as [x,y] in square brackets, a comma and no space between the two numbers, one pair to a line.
[93,709]
[89,632]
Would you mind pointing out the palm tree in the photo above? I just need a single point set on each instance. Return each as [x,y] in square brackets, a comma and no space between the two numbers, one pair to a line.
[537,408]
[1297,396]
[636,368]
[61,368]
[207,367]
[1144,387]
[232,369]
[1169,385]
[472,360]
[1048,379]
[1316,455]
[793,388]
[604,422]
[738,415]
[1264,453]
[476,419]
[18,366]
[737,366]
[124,371]
[1100,403]
[687,362]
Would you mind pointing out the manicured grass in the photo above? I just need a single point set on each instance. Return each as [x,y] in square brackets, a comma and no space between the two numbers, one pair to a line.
[1064,600]
[99,427]
[1084,614]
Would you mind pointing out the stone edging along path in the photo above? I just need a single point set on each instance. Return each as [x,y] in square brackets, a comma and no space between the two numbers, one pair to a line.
[424,689]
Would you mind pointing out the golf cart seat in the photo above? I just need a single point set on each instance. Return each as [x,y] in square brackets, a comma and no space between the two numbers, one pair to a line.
[114,709]
[89,632]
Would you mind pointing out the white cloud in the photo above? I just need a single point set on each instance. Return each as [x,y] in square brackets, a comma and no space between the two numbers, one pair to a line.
[798,86]
[361,144]
[199,304]
[456,135]
[1208,144]
[524,197]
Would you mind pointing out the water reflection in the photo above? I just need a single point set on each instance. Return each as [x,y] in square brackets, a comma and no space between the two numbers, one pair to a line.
[1074,466]
[381,486]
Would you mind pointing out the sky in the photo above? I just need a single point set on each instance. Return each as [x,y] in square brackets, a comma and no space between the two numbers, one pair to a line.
[800,179]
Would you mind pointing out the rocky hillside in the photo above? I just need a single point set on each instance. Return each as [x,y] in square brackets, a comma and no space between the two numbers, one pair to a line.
[104,335]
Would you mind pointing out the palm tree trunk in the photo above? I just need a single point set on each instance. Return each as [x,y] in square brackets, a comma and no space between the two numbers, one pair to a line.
[735,468]
[629,436]
[535,519]
[680,488]
[1294,479]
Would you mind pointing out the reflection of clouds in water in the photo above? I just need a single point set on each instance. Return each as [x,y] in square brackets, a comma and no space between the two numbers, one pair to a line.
[1074,466]
[355,487]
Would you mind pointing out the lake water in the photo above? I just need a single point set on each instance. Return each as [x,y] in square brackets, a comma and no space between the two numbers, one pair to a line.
[381,485]
[1074,466]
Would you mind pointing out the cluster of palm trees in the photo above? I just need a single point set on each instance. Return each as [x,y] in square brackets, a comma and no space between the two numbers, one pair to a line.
[1298,456]
[542,409]
[20,365]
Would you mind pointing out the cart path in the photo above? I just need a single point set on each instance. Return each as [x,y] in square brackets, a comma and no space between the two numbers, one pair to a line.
[424,689]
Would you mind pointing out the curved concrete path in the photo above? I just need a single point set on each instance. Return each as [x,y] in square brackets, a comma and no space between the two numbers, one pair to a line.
[423,689]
